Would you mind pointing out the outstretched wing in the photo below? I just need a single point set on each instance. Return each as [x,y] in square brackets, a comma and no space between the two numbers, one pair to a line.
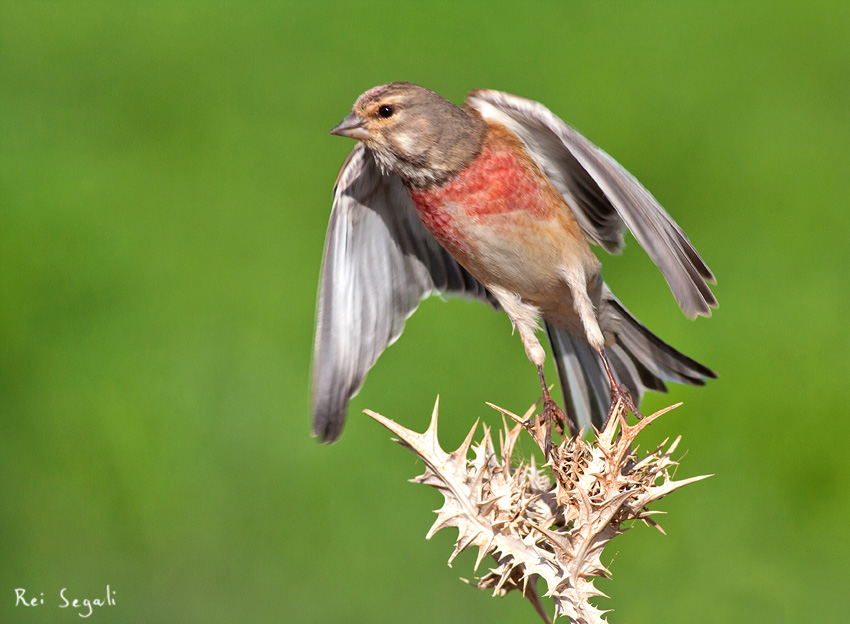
[603,195]
[379,262]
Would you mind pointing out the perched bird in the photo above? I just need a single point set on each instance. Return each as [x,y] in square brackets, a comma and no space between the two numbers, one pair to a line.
[498,200]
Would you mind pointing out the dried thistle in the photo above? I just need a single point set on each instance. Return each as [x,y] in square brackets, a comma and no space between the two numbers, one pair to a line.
[541,526]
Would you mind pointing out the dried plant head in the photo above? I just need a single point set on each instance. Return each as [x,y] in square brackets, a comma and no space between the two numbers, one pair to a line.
[550,522]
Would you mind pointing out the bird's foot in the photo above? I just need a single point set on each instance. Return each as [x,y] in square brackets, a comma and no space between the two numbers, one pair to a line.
[557,416]
[541,427]
[620,395]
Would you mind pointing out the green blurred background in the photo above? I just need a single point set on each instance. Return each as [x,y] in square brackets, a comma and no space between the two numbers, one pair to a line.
[165,184]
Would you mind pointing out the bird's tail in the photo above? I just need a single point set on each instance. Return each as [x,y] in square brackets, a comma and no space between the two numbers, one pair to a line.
[640,360]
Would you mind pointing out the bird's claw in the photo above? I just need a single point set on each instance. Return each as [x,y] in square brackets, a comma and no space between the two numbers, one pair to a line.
[621,395]
[541,427]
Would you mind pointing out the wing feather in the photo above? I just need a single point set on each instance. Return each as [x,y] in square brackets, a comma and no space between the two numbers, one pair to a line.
[603,195]
[379,262]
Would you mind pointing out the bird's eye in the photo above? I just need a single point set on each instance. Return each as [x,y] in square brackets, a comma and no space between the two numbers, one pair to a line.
[385,110]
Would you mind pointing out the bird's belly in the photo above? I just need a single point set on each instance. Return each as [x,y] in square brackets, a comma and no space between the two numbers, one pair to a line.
[514,252]
[522,251]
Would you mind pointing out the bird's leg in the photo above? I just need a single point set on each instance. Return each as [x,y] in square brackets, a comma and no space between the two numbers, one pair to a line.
[552,413]
[619,392]
[551,408]
[525,318]
[584,291]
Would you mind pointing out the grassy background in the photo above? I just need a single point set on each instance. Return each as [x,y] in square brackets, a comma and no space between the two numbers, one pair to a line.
[165,180]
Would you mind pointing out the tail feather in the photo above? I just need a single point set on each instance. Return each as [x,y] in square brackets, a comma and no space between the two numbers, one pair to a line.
[584,383]
[628,371]
[661,361]
[640,361]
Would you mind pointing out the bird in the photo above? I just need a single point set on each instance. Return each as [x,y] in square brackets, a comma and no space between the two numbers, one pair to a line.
[498,200]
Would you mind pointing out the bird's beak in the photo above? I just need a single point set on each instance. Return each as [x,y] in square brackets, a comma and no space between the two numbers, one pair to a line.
[352,127]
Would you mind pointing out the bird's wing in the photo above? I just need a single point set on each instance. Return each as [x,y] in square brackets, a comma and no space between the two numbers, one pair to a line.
[379,261]
[603,195]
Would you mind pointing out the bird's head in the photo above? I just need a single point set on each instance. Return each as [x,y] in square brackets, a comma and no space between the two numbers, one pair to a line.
[414,132]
